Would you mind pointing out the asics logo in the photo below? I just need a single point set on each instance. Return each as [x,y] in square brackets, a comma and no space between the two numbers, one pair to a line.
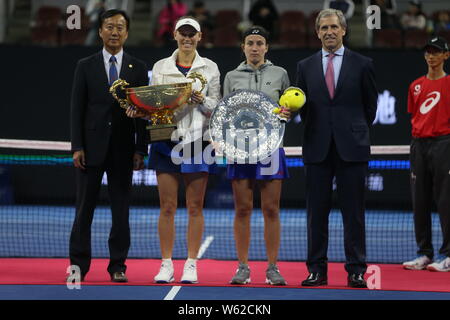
[417,90]
[429,104]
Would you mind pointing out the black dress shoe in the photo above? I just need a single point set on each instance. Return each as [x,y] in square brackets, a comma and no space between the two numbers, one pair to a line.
[356,280]
[119,277]
[315,279]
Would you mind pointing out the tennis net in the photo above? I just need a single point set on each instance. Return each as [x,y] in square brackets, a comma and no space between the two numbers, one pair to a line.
[37,196]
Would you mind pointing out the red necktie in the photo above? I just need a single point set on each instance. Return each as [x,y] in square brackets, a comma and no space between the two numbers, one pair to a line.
[329,75]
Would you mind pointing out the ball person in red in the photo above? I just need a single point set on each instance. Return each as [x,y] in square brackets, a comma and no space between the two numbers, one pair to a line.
[429,105]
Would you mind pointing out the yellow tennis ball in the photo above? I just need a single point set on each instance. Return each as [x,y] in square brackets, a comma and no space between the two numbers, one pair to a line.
[293,98]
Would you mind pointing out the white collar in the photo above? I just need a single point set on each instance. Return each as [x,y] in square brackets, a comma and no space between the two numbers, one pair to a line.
[170,66]
[338,52]
[107,56]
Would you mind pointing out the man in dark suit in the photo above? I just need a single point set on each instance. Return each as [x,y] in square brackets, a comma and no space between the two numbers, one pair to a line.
[104,139]
[341,105]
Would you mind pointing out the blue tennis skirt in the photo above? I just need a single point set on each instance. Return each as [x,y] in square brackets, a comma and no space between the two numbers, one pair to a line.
[276,169]
[161,159]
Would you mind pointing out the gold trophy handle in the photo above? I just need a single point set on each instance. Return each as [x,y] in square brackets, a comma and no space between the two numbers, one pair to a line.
[199,77]
[113,90]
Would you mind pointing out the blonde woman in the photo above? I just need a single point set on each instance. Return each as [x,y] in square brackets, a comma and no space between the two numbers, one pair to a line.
[192,122]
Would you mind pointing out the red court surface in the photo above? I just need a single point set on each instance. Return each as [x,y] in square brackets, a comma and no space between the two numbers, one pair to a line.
[213,273]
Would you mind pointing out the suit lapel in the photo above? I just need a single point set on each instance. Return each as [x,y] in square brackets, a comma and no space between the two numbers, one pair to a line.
[345,68]
[100,66]
[126,67]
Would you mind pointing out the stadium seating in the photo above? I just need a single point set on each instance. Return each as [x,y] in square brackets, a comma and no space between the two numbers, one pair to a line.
[75,36]
[415,38]
[227,18]
[295,29]
[226,36]
[292,20]
[313,41]
[46,26]
[445,35]
[226,32]
[387,38]
[292,29]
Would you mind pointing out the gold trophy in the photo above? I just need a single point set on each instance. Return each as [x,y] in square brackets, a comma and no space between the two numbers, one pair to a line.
[159,102]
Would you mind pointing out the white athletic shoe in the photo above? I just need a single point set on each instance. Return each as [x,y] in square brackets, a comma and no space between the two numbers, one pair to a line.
[189,272]
[165,274]
[442,266]
[418,263]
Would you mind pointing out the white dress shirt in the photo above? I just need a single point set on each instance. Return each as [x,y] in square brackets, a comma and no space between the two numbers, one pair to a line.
[107,56]
[337,62]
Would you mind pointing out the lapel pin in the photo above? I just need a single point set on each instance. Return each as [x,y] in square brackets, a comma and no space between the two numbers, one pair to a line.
[130,66]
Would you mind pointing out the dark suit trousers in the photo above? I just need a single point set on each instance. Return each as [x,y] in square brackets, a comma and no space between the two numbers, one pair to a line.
[350,182]
[430,180]
[119,171]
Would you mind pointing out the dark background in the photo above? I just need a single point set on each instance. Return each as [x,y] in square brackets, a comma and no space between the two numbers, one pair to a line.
[35,101]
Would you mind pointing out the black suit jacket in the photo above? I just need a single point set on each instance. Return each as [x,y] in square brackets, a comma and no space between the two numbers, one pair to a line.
[346,117]
[96,116]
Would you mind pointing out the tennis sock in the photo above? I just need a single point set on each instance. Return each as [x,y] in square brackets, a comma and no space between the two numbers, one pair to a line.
[191,261]
[167,261]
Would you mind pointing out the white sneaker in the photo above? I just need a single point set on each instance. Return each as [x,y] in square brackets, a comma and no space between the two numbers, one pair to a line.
[418,263]
[442,266]
[165,274]
[189,272]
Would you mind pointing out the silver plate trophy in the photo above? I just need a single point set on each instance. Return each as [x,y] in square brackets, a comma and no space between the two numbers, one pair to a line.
[244,128]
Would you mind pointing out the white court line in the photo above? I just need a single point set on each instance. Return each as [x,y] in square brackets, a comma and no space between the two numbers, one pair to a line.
[290,151]
[204,246]
[35,144]
[172,293]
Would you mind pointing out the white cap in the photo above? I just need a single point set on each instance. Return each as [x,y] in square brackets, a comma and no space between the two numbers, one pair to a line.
[188,21]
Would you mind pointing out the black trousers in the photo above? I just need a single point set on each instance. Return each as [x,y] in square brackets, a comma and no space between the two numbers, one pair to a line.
[350,182]
[430,181]
[119,170]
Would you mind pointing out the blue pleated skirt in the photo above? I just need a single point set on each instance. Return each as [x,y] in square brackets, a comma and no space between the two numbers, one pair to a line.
[275,169]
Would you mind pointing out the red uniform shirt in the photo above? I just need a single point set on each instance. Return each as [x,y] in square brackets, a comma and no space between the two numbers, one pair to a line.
[429,105]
